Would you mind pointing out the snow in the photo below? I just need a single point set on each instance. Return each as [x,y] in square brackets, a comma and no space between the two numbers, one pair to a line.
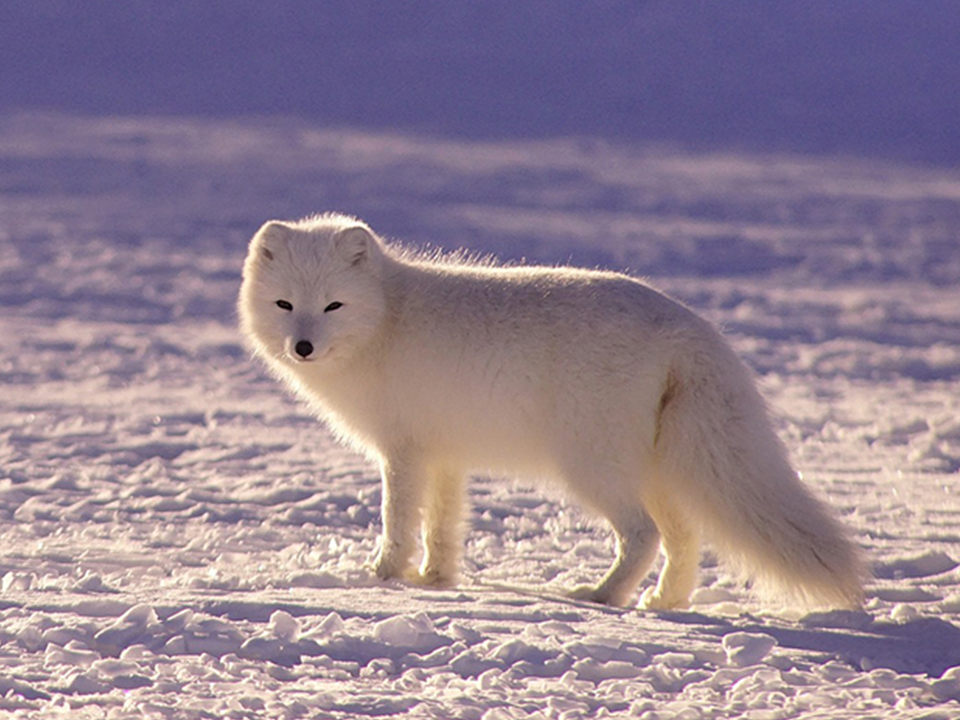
[180,539]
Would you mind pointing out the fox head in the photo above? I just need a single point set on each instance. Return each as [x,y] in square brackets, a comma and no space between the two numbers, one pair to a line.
[312,291]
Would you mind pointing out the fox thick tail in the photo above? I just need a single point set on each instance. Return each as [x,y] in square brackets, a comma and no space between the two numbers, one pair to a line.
[719,453]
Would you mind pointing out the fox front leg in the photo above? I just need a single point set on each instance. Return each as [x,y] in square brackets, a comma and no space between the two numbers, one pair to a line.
[401,508]
[443,529]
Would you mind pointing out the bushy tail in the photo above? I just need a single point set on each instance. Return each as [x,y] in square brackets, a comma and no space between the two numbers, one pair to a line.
[718,450]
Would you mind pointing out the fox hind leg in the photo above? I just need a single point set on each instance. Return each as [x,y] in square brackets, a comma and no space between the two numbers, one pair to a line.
[637,546]
[681,546]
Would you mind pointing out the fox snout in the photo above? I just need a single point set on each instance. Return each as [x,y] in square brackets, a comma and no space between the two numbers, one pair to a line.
[303,348]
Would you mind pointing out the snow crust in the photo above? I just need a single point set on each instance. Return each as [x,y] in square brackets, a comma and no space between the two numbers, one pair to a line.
[180,539]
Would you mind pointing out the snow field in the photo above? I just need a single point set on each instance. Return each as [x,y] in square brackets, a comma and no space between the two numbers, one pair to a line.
[237,658]
[181,540]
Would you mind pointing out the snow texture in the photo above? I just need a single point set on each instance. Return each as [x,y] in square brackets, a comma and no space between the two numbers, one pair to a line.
[180,539]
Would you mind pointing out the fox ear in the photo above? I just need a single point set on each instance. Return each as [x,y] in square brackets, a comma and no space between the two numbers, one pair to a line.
[270,234]
[356,244]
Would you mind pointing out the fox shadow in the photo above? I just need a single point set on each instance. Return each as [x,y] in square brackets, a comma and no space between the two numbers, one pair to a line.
[926,646]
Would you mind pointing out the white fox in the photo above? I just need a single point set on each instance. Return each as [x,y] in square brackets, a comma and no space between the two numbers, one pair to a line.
[437,368]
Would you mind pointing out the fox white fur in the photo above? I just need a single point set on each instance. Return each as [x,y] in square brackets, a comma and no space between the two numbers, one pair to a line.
[637,407]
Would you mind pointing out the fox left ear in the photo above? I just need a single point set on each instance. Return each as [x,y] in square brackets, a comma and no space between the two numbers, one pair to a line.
[273,232]
[356,244]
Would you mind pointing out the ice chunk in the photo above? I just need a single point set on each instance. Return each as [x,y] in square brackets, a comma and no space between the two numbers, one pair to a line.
[92,582]
[330,625]
[676,660]
[318,580]
[86,683]
[461,631]
[904,613]
[415,632]
[204,635]
[470,664]
[174,646]
[439,657]
[62,635]
[262,648]
[514,651]
[115,668]
[951,604]
[30,638]
[597,648]
[178,621]
[284,626]
[129,628]
[378,668]
[73,654]
[596,671]
[136,652]
[948,686]
[744,648]
[13,581]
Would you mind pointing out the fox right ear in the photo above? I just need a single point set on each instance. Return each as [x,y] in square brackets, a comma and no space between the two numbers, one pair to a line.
[271,233]
[355,244]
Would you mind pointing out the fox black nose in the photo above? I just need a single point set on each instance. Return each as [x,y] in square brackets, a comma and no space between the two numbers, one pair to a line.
[304,348]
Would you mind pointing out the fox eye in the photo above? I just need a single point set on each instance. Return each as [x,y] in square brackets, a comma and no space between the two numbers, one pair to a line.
[284,304]
[335,305]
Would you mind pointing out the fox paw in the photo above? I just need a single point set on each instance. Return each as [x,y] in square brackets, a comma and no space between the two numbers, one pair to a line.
[390,566]
[591,593]
[653,600]
[435,577]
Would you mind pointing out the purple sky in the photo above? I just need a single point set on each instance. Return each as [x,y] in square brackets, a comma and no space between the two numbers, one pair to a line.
[866,77]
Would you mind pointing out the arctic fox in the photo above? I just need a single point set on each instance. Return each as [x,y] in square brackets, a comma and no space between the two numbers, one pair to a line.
[635,405]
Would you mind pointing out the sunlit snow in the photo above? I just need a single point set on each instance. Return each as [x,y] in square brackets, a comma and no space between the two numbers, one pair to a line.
[180,539]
